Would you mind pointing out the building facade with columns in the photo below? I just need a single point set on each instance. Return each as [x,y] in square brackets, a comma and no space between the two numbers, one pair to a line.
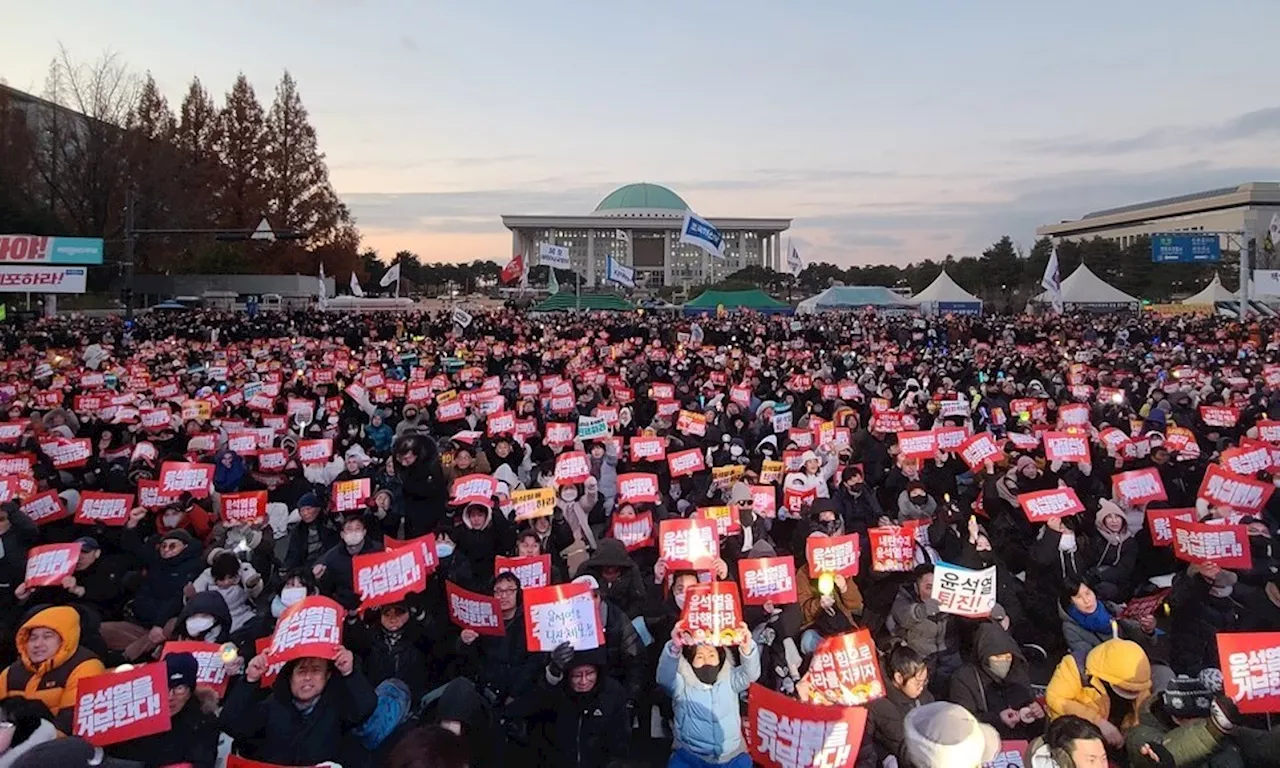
[639,226]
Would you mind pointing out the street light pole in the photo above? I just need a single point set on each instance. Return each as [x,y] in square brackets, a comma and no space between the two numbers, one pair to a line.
[130,241]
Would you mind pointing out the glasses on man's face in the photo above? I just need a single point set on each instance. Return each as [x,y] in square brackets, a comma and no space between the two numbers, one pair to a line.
[500,591]
[170,546]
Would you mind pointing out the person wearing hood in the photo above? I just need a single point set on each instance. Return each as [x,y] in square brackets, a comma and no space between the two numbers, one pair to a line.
[204,619]
[481,536]
[229,472]
[192,738]
[908,688]
[1114,569]
[995,685]
[308,716]
[334,571]
[410,422]
[1200,606]
[386,509]
[857,505]
[313,534]
[1107,687]
[590,720]
[945,735]
[705,686]
[51,663]
[502,667]
[618,576]
[425,493]
[915,503]
[392,644]
[624,650]
[171,564]
[825,615]
[379,434]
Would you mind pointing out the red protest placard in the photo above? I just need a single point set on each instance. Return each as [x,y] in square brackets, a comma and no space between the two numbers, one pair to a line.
[1160,523]
[243,443]
[1250,663]
[979,449]
[426,545]
[950,438]
[782,732]
[532,571]
[837,555]
[473,489]
[918,445]
[564,613]
[474,611]
[648,449]
[1066,447]
[351,495]
[764,501]
[637,487]
[247,508]
[635,532]
[1247,461]
[68,454]
[1224,489]
[691,423]
[797,500]
[1139,486]
[315,451]
[572,467]
[48,565]
[893,547]
[1073,415]
[1219,416]
[382,578]
[1226,545]
[724,517]
[1140,607]
[767,580]
[122,706]
[212,671]
[844,671]
[151,497]
[45,508]
[310,627]
[178,477]
[1039,506]
[688,544]
[110,509]
[712,615]
[686,462]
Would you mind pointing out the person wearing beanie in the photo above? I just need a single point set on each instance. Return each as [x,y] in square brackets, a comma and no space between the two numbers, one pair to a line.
[311,536]
[172,562]
[1189,722]
[946,735]
[192,738]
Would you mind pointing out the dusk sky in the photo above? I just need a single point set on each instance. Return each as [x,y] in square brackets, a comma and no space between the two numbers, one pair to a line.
[889,131]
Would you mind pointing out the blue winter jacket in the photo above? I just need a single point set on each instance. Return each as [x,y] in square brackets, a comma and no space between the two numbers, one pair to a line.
[707,719]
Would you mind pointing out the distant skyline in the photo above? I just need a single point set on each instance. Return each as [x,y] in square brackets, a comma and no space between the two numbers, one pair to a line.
[888,133]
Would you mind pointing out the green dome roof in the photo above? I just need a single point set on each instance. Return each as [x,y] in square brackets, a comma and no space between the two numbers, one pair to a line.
[641,196]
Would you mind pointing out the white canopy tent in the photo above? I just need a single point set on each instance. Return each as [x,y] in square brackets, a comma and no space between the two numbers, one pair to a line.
[855,298]
[1084,290]
[1212,293]
[945,296]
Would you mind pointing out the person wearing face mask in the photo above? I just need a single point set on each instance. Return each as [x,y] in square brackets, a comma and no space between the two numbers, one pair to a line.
[1107,687]
[1200,607]
[572,507]
[915,503]
[379,434]
[480,536]
[858,507]
[334,570]
[995,685]
[298,584]
[205,618]
[705,684]
[591,726]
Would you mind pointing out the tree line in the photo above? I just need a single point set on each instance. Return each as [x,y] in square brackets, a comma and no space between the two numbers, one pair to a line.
[99,131]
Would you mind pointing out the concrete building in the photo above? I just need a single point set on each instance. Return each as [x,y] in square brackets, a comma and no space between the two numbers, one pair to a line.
[650,217]
[293,290]
[1248,207]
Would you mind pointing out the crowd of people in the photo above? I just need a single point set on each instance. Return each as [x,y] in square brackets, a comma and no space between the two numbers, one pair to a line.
[1094,474]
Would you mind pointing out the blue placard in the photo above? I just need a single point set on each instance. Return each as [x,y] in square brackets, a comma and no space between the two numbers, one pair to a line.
[1167,249]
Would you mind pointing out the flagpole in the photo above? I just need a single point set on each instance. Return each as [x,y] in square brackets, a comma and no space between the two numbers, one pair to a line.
[399,275]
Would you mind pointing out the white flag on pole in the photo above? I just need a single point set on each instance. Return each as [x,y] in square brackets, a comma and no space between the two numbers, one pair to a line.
[1051,282]
[356,290]
[698,231]
[461,317]
[554,256]
[794,263]
[323,294]
[392,276]
[619,273]
[1273,231]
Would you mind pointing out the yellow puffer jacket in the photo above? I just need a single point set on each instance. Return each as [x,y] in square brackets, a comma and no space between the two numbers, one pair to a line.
[1122,663]
[56,680]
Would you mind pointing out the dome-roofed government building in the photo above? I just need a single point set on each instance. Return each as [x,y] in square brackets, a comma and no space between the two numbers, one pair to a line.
[639,225]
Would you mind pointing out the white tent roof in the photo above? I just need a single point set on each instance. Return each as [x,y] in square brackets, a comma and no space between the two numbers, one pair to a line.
[944,289]
[1212,293]
[854,297]
[1084,287]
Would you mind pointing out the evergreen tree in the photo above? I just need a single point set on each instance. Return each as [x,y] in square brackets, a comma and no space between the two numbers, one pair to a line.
[200,169]
[241,146]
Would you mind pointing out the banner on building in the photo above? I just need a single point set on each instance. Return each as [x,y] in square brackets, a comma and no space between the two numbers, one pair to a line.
[38,249]
[43,279]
